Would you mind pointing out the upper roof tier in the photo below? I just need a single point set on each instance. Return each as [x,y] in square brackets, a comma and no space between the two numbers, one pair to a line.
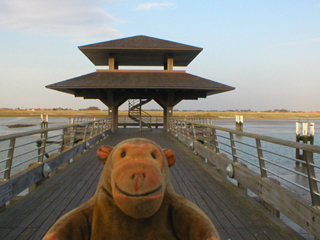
[140,51]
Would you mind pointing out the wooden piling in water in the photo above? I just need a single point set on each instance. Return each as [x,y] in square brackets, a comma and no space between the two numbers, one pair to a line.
[307,136]
[239,122]
[44,121]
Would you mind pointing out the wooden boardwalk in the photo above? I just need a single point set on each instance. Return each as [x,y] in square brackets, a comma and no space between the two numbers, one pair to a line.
[235,215]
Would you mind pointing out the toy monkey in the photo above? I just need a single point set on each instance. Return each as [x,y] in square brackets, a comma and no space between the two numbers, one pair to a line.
[135,200]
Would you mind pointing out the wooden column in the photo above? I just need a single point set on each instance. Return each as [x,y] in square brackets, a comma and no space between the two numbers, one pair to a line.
[167,102]
[113,65]
[167,113]
[113,114]
[112,109]
[113,104]
[168,65]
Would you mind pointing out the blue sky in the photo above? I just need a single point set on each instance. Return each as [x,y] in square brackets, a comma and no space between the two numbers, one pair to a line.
[269,50]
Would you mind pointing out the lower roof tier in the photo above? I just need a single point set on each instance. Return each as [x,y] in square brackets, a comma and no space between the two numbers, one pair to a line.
[138,83]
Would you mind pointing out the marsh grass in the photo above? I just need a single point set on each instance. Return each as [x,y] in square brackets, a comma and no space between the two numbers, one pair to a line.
[210,114]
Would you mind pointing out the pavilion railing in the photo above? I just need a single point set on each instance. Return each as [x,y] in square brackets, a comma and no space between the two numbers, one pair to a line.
[266,166]
[154,121]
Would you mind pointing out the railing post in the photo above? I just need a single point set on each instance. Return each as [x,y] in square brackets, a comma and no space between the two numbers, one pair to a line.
[215,140]
[314,191]
[194,132]
[110,123]
[85,133]
[207,140]
[181,129]
[7,173]
[64,132]
[98,129]
[42,149]
[74,135]
[104,125]
[187,130]
[203,131]
[233,148]
[261,161]
[91,129]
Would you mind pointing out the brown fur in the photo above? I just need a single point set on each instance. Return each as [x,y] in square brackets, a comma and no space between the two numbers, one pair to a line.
[135,200]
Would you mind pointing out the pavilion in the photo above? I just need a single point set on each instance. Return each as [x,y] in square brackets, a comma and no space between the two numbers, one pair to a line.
[114,86]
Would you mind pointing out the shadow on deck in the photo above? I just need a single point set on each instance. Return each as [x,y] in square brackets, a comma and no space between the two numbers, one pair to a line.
[235,215]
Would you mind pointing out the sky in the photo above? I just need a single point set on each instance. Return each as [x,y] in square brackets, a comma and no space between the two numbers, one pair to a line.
[269,50]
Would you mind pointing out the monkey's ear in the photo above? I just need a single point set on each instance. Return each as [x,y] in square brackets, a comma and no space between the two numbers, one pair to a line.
[170,155]
[103,152]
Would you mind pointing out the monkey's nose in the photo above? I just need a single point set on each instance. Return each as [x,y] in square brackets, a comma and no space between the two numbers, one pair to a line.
[139,181]
[138,175]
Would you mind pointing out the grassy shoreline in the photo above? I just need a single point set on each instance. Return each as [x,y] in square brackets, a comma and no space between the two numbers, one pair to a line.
[212,114]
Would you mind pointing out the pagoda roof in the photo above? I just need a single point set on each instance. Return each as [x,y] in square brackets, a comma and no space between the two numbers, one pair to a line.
[132,83]
[140,51]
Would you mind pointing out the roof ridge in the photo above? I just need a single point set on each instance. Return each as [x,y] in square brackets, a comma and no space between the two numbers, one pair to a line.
[140,42]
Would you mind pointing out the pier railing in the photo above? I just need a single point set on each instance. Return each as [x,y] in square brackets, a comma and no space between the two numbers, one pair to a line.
[265,166]
[28,157]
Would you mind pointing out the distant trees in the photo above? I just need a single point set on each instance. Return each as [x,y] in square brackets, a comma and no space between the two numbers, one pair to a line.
[60,108]
[91,109]
[281,110]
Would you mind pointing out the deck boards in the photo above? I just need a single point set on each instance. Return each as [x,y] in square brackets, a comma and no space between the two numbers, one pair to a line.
[234,214]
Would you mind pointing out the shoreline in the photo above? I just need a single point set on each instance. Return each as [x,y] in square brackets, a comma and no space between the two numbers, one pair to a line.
[205,114]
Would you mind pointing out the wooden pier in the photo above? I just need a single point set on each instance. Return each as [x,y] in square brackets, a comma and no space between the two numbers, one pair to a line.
[235,215]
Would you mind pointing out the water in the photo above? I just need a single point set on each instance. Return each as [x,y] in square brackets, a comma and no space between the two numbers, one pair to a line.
[278,128]
[5,121]
[26,149]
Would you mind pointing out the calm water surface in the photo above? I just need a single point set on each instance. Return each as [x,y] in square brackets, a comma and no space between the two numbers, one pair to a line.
[7,121]
[278,128]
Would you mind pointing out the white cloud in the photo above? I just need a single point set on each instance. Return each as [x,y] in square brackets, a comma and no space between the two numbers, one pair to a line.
[315,39]
[150,5]
[301,42]
[84,18]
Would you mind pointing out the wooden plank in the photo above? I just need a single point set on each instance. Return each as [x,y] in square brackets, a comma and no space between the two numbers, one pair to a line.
[45,200]
[87,184]
[28,203]
[36,217]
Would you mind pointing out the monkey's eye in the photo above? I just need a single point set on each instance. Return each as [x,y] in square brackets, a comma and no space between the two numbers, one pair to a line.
[123,154]
[153,155]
